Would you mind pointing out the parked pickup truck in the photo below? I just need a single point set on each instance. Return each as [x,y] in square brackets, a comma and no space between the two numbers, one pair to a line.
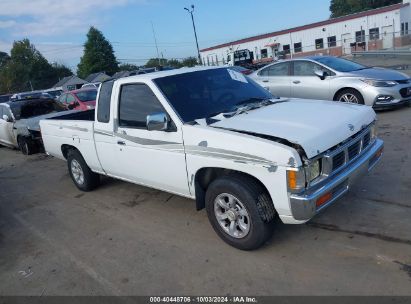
[214,135]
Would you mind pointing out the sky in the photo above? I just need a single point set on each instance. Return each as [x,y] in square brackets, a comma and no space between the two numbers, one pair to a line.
[58,28]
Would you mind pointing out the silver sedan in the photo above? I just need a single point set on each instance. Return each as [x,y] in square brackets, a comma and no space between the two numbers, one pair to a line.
[333,78]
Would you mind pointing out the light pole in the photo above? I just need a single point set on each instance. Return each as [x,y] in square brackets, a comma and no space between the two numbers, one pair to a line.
[195,32]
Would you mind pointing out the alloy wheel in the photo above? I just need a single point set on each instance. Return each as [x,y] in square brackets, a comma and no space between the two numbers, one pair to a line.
[232,216]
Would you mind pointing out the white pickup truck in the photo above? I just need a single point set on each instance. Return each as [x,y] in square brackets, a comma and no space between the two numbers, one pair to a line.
[214,135]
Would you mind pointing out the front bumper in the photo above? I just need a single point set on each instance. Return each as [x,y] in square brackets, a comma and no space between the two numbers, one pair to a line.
[306,205]
[371,96]
[391,104]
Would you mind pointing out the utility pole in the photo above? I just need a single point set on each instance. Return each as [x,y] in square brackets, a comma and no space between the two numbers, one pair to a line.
[195,32]
[155,41]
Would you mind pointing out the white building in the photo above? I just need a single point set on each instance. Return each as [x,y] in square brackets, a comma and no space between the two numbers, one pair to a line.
[382,28]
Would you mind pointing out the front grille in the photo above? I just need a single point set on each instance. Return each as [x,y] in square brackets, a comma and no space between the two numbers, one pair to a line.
[353,150]
[347,152]
[338,160]
[366,140]
[405,92]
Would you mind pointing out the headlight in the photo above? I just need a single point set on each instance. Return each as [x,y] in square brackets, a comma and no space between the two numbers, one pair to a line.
[313,170]
[380,83]
[296,180]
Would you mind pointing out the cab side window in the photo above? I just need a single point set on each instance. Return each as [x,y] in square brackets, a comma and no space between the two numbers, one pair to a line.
[136,102]
[104,102]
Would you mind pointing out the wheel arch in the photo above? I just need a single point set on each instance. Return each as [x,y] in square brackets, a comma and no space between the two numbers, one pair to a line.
[206,175]
[344,89]
[65,149]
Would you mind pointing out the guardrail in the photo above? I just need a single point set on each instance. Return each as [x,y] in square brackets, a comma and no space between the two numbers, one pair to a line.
[384,53]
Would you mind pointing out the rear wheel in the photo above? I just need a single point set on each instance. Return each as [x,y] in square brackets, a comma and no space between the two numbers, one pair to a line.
[26,146]
[350,95]
[81,174]
[240,211]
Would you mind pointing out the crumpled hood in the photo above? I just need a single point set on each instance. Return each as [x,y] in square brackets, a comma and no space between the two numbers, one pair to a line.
[379,74]
[314,125]
[33,123]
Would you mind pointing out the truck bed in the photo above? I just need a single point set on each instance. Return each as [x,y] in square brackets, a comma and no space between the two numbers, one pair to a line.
[80,115]
[74,130]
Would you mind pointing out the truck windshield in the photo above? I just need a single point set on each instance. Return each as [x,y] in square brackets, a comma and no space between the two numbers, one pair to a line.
[204,94]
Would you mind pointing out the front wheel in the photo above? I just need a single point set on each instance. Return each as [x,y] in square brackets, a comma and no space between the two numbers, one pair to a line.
[81,174]
[240,211]
[350,95]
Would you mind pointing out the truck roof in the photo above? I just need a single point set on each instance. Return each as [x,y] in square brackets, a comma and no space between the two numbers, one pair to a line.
[160,74]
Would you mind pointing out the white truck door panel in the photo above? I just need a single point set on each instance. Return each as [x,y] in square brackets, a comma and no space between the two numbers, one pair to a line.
[153,158]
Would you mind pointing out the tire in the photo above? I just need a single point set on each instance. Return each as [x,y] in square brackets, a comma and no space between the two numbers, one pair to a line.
[26,146]
[247,195]
[350,94]
[81,174]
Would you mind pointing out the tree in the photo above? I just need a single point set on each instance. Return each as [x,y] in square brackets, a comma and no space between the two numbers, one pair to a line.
[98,55]
[190,61]
[174,63]
[62,71]
[127,67]
[155,62]
[26,69]
[345,7]
[4,58]
[187,62]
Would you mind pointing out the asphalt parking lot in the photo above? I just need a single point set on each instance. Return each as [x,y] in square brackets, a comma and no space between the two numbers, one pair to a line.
[123,239]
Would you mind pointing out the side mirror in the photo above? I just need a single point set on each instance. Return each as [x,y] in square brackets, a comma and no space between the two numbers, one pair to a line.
[6,118]
[157,122]
[321,74]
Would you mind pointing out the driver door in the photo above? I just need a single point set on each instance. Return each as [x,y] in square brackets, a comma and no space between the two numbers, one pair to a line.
[152,158]
[6,127]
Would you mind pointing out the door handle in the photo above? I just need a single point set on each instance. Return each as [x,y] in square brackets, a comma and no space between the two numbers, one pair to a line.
[121,143]
[265,81]
[296,82]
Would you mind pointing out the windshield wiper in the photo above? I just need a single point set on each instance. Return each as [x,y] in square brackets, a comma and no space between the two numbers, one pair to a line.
[245,106]
[254,100]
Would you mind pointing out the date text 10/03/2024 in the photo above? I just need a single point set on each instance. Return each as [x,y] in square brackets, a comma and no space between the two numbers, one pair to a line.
[232,299]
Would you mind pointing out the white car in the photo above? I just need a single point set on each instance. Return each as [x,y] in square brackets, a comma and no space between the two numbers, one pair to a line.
[214,135]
